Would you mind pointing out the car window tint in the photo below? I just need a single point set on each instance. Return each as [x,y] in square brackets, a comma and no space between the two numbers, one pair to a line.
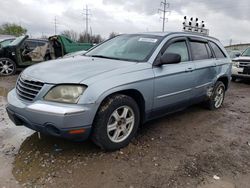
[179,48]
[199,50]
[218,52]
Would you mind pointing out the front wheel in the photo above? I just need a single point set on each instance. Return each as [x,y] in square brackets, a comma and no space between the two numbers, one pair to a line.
[7,67]
[116,122]
[217,98]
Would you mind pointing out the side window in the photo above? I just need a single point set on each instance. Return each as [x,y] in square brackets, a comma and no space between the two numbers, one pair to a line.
[31,44]
[199,51]
[40,43]
[218,52]
[179,48]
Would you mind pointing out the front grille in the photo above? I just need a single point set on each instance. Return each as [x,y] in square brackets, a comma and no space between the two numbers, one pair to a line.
[27,89]
[244,64]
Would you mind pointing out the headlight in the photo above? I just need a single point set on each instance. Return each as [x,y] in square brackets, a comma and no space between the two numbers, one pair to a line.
[65,93]
[236,64]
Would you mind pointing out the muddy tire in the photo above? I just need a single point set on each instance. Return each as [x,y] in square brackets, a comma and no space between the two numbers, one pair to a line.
[116,122]
[216,100]
[7,67]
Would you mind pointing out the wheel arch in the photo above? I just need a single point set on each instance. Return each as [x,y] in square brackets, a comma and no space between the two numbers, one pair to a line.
[133,93]
[224,80]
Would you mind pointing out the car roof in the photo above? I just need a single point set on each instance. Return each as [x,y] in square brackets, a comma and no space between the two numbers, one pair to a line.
[193,34]
[4,39]
[38,40]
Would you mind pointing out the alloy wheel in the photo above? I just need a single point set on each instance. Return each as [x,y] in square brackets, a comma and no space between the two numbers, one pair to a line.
[6,67]
[120,124]
[219,96]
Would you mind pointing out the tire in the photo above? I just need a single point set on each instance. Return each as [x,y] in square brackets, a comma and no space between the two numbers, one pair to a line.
[234,78]
[112,114]
[7,67]
[219,93]
[47,57]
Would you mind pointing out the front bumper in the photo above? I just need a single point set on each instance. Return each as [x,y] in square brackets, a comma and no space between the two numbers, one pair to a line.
[62,120]
[239,73]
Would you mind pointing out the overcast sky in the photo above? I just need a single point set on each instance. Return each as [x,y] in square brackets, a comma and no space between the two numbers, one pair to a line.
[226,19]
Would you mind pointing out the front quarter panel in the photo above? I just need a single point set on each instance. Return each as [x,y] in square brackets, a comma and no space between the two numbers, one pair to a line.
[140,80]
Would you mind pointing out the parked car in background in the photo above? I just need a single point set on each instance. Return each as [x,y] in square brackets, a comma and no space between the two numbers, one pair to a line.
[234,53]
[73,54]
[61,45]
[23,52]
[241,66]
[119,84]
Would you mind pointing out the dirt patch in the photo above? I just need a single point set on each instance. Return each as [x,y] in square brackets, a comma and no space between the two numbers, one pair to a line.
[186,149]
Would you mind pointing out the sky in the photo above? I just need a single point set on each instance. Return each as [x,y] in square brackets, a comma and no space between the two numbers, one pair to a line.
[226,19]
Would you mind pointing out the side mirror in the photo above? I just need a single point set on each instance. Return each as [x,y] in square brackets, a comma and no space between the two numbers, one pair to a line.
[169,58]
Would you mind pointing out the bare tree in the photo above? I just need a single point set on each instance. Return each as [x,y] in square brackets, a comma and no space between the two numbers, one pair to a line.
[70,34]
[112,35]
[85,38]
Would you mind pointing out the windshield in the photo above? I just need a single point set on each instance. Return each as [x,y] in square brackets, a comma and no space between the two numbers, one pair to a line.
[246,52]
[127,47]
[5,42]
[17,41]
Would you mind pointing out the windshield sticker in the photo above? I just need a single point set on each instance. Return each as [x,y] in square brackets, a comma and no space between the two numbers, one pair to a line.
[148,40]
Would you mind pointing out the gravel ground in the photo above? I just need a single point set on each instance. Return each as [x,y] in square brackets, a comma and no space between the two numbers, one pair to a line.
[193,148]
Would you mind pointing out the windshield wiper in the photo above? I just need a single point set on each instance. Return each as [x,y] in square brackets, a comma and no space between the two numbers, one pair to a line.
[115,58]
[102,56]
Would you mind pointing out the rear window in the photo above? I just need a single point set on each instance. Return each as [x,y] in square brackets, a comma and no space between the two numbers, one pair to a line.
[217,51]
[199,50]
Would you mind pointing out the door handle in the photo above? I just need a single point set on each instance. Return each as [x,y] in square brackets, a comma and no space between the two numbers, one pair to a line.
[189,69]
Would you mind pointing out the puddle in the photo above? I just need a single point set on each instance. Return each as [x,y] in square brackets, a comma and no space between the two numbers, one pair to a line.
[11,138]
[48,156]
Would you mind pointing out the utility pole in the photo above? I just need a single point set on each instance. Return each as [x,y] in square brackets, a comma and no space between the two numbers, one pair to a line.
[164,11]
[86,13]
[55,25]
[230,42]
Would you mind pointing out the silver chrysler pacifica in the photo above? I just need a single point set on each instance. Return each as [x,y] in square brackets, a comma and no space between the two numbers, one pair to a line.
[119,84]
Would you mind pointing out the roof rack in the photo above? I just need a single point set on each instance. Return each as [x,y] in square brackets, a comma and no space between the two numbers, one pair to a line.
[195,26]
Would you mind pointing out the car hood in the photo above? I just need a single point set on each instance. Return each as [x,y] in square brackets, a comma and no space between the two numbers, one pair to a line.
[73,70]
[242,58]
[82,52]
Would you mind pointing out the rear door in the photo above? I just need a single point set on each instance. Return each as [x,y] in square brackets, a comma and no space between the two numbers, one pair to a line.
[205,66]
[174,83]
[221,59]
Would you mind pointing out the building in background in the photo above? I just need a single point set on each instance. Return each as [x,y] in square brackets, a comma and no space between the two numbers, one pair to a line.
[237,47]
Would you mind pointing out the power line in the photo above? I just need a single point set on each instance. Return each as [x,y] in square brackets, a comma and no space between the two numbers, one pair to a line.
[164,11]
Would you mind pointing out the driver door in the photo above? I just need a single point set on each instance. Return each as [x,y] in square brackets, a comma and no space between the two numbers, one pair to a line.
[174,83]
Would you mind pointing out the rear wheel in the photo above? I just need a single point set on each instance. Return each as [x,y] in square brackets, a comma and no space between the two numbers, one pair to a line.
[116,122]
[217,98]
[7,67]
